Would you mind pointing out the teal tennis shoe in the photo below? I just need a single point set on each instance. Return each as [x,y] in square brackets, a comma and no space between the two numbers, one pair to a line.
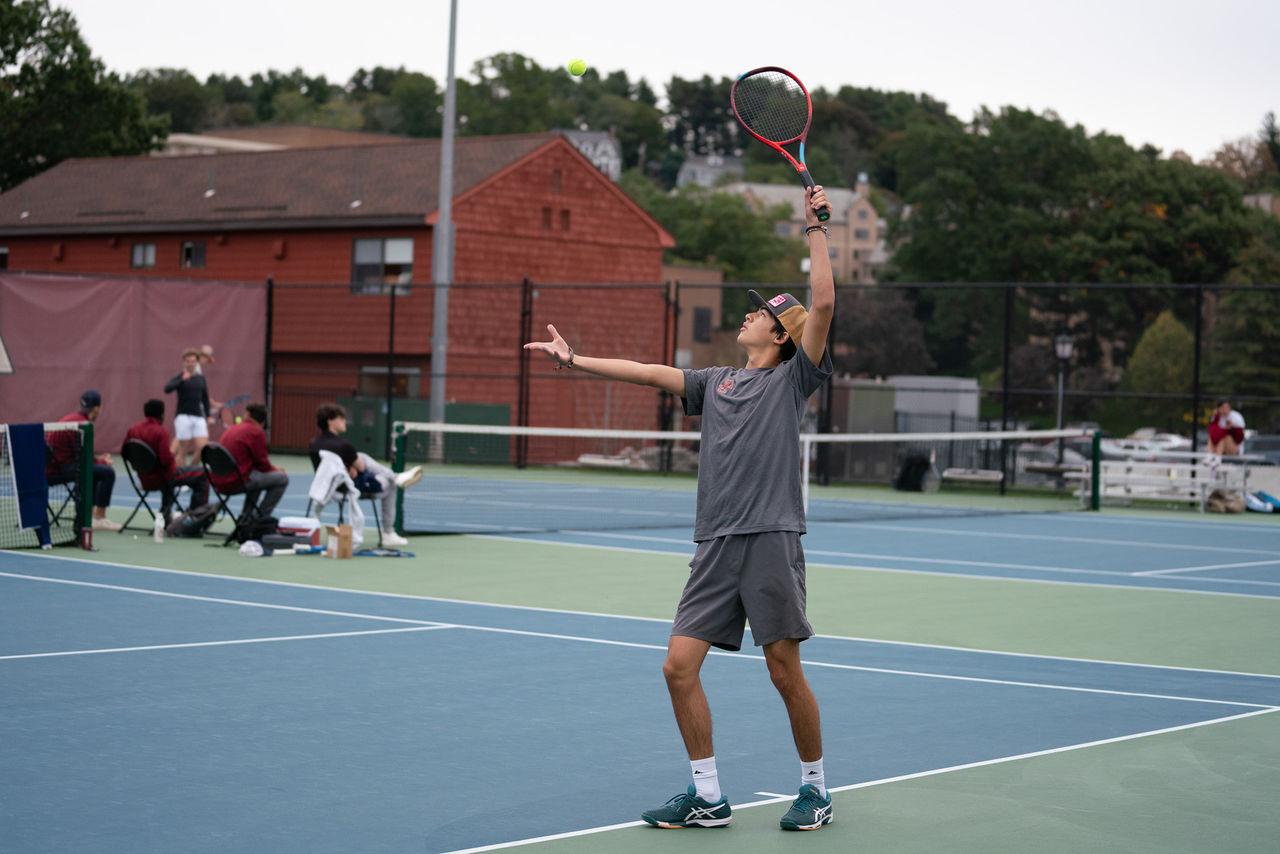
[809,812]
[689,810]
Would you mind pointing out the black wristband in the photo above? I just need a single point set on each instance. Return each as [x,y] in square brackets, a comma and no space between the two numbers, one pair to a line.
[567,363]
[814,228]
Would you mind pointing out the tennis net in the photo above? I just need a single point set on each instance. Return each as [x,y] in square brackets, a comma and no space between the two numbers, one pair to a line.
[67,458]
[493,479]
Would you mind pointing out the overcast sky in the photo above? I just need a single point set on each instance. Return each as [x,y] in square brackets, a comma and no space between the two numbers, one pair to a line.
[1180,74]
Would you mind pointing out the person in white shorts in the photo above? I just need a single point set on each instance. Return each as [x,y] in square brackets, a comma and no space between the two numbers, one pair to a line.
[191,421]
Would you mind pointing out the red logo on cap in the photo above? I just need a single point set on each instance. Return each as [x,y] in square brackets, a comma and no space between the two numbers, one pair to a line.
[778,300]
[724,386]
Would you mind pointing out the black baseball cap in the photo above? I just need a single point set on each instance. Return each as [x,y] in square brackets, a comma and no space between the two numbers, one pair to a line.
[90,399]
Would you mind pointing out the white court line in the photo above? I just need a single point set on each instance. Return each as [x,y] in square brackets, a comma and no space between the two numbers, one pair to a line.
[1053,538]
[537,609]
[1210,566]
[775,795]
[219,643]
[1222,525]
[214,599]
[657,647]
[905,571]
[887,780]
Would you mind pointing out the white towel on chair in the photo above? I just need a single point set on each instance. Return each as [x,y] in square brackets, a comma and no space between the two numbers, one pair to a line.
[330,475]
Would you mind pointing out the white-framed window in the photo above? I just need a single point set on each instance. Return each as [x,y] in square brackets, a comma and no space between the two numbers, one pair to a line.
[378,262]
[143,255]
[192,254]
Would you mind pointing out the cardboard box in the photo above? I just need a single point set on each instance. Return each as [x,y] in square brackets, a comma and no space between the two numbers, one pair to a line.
[339,541]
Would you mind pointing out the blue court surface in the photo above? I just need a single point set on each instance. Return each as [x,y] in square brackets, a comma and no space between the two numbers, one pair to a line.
[152,710]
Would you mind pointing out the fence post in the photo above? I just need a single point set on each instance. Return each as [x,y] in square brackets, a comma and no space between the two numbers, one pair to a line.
[267,383]
[391,364]
[1004,385]
[1195,382]
[522,393]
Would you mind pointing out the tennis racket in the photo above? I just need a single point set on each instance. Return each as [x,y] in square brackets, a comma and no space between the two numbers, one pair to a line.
[232,412]
[773,106]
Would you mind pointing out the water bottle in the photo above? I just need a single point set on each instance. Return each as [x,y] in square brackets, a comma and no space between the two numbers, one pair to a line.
[157,532]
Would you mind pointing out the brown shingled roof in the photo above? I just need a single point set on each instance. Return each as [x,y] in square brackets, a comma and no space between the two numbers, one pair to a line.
[393,183]
[304,136]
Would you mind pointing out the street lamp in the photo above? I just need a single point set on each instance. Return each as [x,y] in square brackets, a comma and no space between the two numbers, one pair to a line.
[1063,346]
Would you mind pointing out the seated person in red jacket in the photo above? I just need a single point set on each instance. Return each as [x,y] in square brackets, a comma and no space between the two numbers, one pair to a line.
[62,464]
[166,476]
[247,443]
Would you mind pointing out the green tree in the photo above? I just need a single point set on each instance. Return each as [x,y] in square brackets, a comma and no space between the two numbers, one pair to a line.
[1162,362]
[722,230]
[416,100]
[56,99]
[178,95]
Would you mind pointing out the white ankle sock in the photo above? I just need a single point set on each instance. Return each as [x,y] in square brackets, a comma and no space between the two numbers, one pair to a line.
[705,779]
[812,773]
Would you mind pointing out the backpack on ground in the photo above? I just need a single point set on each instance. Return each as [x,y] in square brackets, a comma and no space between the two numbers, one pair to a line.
[256,527]
[194,523]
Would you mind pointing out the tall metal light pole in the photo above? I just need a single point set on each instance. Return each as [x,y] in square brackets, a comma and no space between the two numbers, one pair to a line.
[442,236]
[1063,346]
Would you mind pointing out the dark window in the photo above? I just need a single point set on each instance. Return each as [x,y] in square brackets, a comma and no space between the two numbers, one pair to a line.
[861,234]
[405,382]
[192,254]
[557,179]
[377,263]
[4,257]
[546,219]
[564,219]
[862,213]
[702,325]
[144,255]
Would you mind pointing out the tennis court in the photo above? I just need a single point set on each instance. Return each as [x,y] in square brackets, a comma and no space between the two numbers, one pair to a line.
[1047,680]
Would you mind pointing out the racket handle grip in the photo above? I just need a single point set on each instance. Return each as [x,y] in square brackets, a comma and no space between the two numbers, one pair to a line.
[824,212]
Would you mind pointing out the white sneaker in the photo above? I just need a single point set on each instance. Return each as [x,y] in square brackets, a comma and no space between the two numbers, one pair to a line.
[406,479]
[105,524]
[391,538]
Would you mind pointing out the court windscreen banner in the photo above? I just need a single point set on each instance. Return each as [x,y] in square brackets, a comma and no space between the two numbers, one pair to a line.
[61,335]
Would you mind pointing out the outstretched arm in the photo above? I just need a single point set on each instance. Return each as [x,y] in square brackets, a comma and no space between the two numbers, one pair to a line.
[821,282]
[659,376]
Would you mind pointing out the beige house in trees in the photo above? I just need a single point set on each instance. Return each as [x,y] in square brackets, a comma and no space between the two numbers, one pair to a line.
[856,243]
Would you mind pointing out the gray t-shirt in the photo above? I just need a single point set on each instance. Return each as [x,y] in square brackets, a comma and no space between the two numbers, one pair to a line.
[749,462]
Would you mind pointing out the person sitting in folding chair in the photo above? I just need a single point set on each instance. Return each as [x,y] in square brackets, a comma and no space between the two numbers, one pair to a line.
[165,476]
[61,465]
[263,483]
[333,482]
[368,475]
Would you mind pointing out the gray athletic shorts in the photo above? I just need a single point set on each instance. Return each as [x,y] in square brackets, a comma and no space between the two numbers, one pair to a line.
[741,577]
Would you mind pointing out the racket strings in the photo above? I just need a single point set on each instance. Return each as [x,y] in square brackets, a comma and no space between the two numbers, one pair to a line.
[773,105]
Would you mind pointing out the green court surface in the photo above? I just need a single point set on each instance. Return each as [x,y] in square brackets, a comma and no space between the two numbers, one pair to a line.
[1204,788]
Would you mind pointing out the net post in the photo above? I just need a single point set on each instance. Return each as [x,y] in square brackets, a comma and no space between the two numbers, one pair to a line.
[1095,472]
[397,465]
[84,513]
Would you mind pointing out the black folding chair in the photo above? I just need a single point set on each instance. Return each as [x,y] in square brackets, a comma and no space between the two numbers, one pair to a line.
[344,495]
[140,459]
[55,477]
[218,462]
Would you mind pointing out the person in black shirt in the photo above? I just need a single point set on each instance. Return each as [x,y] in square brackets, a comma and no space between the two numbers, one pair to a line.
[191,421]
[369,475]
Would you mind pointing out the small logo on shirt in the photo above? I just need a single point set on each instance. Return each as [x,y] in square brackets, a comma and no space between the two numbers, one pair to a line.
[724,386]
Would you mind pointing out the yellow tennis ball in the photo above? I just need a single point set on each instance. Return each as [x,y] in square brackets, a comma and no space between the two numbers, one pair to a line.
[578,67]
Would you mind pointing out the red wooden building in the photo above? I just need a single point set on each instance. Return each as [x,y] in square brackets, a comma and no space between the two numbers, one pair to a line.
[335,227]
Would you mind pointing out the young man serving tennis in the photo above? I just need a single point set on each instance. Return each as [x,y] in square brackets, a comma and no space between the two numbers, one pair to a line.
[749,564]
